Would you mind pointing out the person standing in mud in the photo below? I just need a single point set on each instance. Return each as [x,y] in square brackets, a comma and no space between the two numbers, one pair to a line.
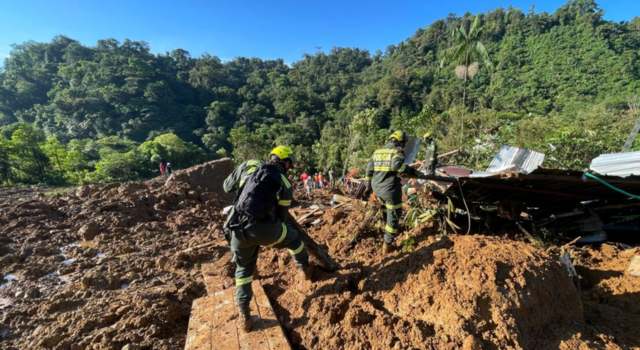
[383,177]
[259,218]
[163,167]
[332,182]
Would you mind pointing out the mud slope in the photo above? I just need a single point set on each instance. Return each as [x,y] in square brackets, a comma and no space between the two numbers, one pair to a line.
[106,266]
[103,267]
[454,292]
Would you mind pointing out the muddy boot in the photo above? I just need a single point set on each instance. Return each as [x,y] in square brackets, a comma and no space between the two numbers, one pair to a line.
[244,318]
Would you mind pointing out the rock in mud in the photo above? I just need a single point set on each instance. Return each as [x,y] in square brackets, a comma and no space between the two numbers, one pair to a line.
[206,177]
[89,231]
[98,281]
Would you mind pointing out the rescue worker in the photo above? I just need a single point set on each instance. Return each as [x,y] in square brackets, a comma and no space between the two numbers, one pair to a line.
[383,177]
[234,182]
[236,179]
[431,154]
[259,219]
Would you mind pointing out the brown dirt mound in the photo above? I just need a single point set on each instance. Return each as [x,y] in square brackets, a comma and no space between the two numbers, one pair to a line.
[460,290]
[205,177]
[106,266]
[611,297]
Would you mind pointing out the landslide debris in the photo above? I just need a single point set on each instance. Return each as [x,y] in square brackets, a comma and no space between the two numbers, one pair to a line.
[102,267]
[117,266]
[455,292]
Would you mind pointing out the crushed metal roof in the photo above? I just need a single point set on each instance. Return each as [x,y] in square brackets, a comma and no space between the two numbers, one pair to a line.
[514,159]
[617,164]
[544,188]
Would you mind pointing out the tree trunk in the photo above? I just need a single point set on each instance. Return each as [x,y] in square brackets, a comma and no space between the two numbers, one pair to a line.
[464,103]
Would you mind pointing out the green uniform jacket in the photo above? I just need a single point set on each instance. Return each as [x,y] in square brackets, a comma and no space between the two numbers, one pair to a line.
[384,168]
[236,179]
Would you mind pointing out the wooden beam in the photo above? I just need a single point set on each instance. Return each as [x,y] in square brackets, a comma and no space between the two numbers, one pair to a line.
[213,323]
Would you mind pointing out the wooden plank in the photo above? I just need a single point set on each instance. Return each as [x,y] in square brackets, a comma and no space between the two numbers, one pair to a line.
[269,323]
[255,339]
[213,323]
[302,219]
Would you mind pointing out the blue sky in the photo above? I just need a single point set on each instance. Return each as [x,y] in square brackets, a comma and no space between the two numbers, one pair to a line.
[268,28]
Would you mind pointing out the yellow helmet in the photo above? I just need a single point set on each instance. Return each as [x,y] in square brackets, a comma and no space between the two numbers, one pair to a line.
[427,135]
[399,136]
[282,152]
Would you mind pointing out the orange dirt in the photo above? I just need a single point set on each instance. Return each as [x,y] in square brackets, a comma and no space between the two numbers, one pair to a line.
[106,266]
[487,291]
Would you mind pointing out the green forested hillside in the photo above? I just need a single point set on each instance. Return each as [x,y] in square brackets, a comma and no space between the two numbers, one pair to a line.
[566,83]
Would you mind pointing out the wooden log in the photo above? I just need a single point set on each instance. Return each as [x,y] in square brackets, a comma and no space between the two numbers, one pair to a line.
[326,262]
[450,153]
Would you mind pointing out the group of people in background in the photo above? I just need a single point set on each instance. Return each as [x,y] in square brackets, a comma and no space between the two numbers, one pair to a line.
[317,180]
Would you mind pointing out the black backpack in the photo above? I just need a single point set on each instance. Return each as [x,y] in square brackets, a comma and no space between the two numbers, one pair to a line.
[258,198]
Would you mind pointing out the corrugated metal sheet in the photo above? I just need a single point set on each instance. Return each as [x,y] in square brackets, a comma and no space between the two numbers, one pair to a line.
[545,188]
[617,164]
[515,159]
[521,159]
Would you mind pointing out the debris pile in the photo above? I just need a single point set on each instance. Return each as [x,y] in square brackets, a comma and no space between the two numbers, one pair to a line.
[106,266]
[115,266]
[496,292]
[560,203]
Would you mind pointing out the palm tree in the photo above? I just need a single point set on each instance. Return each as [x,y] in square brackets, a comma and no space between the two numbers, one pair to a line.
[467,51]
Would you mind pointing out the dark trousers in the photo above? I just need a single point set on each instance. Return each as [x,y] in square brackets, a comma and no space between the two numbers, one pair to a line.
[392,202]
[245,244]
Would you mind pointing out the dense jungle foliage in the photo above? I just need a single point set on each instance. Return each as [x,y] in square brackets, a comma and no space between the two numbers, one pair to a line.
[565,84]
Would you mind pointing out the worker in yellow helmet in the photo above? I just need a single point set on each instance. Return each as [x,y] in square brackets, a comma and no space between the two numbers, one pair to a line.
[259,219]
[383,177]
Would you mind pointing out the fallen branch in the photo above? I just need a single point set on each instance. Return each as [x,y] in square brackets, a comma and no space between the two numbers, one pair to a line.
[571,243]
[312,247]
[450,153]
[205,245]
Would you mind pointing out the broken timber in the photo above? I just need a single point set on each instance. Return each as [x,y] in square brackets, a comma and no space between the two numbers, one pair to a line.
[213,320]
[326,262]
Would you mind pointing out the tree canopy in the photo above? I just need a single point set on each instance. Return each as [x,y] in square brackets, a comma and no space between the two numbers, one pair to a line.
[562,83]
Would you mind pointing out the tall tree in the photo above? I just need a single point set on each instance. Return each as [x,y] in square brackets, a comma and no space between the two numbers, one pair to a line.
[468,51]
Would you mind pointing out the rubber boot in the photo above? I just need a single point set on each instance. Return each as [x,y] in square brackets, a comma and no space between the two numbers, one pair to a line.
[244,317]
